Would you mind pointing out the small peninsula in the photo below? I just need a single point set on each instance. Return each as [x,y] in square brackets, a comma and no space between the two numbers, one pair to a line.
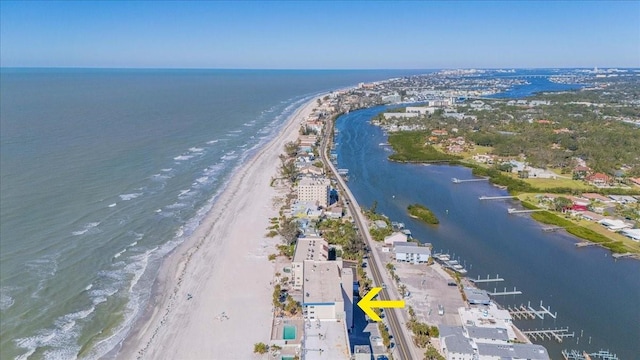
[422,213]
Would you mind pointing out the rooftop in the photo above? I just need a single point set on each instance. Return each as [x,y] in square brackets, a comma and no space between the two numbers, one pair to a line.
[412,249]
[326,340]
[454,340]
[476,296]
[322,283]
[309,181]
[311,249]
[491,333]
[513,351]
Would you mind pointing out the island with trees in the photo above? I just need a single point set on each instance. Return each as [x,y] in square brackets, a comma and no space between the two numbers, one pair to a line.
[422,213]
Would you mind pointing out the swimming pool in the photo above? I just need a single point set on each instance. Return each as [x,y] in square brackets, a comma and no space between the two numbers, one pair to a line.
[289,332]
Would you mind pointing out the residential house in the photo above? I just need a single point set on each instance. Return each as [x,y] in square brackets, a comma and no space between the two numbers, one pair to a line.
[395,238]
[599,179]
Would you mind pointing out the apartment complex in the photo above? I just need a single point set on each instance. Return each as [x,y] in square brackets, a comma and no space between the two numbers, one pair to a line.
[314,189]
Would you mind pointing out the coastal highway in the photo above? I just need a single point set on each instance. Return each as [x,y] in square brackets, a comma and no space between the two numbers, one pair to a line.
[379,275]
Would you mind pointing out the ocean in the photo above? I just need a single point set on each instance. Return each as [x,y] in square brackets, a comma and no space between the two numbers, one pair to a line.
[104,172]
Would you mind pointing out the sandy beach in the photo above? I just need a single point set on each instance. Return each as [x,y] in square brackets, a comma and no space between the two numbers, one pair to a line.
[213,294]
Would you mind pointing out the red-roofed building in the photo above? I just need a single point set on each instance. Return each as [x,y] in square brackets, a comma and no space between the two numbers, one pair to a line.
[599,179]
[636,181]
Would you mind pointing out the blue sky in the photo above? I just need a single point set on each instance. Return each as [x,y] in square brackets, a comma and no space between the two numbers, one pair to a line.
[320,35]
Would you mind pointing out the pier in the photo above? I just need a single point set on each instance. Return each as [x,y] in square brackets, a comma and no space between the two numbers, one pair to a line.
[343,171]
[505,292]
[549,334]
[552,228]
[585,244]
[459,181]
[488,279]
[496,197]
[576,355]
[527,312]
[619,256]
[514,211]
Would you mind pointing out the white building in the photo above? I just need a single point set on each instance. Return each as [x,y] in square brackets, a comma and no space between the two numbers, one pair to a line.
[614,224]
[315,248]
[327,292]
[412,253]
[422,110]
[314,189]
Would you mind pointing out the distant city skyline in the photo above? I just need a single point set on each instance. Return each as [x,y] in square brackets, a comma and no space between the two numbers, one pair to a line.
[320,35]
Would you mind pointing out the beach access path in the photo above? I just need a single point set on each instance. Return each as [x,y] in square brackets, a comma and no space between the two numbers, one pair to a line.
[213,294]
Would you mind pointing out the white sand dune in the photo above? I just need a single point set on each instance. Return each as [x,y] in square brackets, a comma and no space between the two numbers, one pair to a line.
[224,267]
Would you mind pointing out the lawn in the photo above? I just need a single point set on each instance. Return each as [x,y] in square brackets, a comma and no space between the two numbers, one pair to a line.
[558,183]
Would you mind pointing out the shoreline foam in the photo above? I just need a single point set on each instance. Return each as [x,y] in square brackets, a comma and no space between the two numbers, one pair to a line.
[223,266]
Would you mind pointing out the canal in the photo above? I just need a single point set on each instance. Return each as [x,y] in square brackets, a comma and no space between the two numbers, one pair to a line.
[595,296]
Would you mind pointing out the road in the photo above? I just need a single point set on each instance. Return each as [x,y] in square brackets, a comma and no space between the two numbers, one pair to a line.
[376,265]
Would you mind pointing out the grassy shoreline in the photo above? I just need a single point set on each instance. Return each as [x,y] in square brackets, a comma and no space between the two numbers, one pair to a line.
[423,214]
[409,148]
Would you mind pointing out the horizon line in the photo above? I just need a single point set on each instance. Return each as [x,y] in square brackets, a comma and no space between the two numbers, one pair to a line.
[310,69]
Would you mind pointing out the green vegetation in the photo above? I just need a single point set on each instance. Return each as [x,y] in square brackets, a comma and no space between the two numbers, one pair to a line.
[384,333]
[260,348]
[423,213]
[409,146]
[342,233]
[422,333]
[432,354]
[547,217]
[272,257]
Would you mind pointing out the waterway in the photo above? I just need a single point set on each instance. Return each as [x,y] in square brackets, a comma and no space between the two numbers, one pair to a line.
[595,296]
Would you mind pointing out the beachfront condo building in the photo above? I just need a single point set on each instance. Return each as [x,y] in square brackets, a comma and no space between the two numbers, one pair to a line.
[314,189]
[310,248]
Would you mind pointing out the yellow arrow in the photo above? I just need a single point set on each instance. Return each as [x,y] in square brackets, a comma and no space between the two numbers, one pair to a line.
[367,303]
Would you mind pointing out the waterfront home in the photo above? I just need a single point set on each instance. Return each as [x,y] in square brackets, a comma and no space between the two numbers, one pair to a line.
[411,253]
[614,224]
[308,169]
[380,224]
[396,237]
[633,234]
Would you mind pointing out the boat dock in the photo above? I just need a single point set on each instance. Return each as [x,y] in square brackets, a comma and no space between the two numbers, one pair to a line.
[514,211]
[505,292]
[527,312]
[619,256]
[459,181]
[585,244]
[576,355]
[552,228]
[558,334]
[496,197]
[488,279]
